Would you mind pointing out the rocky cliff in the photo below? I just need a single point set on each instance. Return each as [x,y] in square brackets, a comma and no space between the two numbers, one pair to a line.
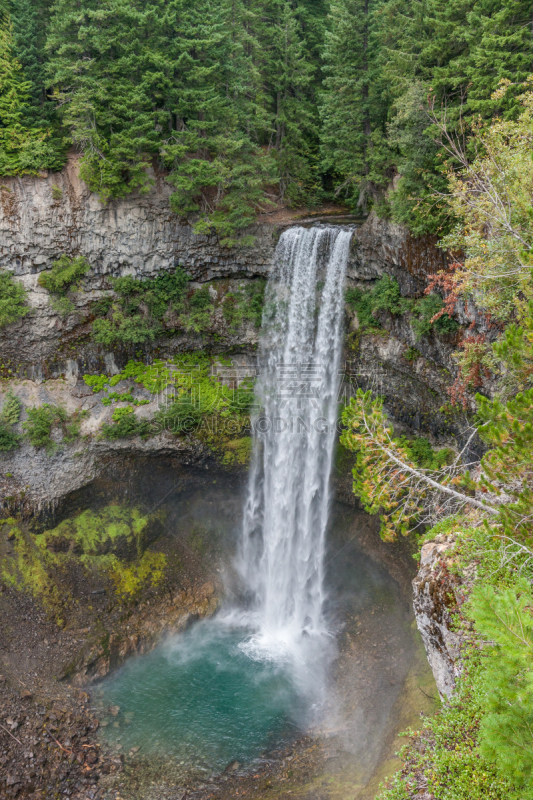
[43,217]
[437,595]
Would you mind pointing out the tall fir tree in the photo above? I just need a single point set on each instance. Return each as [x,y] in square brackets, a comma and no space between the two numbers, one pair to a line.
[24,148]
[288,75]
[354,104]
[110,82]
[30,22]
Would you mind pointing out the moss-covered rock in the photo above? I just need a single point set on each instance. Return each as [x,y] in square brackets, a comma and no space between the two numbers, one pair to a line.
[109,545]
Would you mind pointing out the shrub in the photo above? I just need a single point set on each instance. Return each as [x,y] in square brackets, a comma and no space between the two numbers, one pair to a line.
[64,273]
[61,278]
[244,305]
[43,419]
[385,296]
[125,424]
[412,354]
[9,415]
[445,757]
[424,311]
[360,301]
[9,440]
[422,453]
[12,300]
[136,315]
[506,733]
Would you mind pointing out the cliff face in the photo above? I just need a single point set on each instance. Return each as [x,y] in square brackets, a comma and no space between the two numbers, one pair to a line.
[42,218]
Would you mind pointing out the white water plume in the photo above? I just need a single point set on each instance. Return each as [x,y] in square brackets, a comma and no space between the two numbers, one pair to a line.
[282,554]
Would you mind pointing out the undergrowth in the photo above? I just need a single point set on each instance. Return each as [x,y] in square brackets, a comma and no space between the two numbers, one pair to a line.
[13,305]
[62,279]
[385,296]
[480,744]
[44,420]
[9,416]
[192,400]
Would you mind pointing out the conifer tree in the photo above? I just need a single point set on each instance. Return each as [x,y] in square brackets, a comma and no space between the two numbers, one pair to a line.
[288,77]
[355,102]
[23,148]
[108,78]
[30,21]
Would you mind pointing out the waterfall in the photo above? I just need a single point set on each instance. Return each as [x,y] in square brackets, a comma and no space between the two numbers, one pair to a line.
[282,552]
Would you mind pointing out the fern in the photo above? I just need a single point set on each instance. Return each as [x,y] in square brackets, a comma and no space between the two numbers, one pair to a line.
[11,409]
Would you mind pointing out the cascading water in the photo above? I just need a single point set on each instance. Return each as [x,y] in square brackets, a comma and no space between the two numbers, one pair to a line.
[282,554]
[237,683]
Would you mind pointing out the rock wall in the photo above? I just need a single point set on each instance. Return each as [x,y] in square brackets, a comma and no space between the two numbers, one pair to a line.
[43,217]
[436,597]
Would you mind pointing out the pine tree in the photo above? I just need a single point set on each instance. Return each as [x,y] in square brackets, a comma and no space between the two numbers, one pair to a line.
[30,20]
[502,50]
[504,619]
[217,168]
[288,75]
[23,148]
[354,104]
[109,78]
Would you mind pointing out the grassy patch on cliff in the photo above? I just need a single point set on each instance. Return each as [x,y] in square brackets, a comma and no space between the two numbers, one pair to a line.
[110,545]
[192,401]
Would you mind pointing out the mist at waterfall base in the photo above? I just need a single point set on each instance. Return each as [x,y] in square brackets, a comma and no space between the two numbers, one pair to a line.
[254,676]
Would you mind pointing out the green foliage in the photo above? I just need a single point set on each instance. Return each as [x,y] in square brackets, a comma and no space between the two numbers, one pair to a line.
[28,571]
[354,103]
[425,310]
[145,307]
[412,354]
[65,273]
[125,425]
[9,416]
[9,440]
[24,148]
[385,296]
[42,420]
[504,618]
[112,542]
[220,93]
[245,305]
[420,451]
[12,300]
[445,756]
[360,301]
[10,412]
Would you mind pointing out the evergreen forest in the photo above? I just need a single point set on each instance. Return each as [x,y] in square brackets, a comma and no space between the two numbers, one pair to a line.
[247,103]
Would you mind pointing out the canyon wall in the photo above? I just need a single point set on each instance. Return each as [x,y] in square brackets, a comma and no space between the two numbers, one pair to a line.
[44,217]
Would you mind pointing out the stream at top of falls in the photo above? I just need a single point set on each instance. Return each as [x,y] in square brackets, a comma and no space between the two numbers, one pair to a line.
[258,674]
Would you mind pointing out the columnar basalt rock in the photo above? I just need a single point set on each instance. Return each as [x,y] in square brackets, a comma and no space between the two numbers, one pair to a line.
[43,217]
